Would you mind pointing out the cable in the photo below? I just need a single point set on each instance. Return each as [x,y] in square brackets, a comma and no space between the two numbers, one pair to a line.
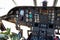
[14,2]
[55,2]
[35,2]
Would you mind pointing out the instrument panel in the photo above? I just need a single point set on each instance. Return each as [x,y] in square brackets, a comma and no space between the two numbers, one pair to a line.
[41,19]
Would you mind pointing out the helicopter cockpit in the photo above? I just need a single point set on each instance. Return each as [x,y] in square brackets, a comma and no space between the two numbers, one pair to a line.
[39,23]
